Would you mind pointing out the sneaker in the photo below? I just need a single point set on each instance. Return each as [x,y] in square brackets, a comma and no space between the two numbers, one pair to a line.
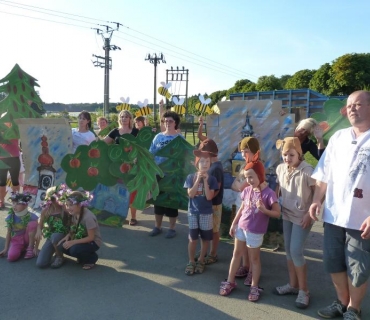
[248,279]
[156,231]
[170,234]
[336,309]
[285,289]
[303,299]
[352,314]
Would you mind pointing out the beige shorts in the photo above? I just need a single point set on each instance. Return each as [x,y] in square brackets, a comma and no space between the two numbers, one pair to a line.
[217,213]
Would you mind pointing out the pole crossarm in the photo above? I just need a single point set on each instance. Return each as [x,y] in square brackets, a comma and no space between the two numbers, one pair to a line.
[155,60]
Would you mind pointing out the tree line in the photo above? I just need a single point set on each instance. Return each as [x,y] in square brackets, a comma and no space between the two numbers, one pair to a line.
[344,75]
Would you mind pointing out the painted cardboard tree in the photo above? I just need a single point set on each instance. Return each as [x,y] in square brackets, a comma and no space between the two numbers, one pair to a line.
[134,164]
[333,118]
[106,164]
[88,166]
[21,101]
[179,164]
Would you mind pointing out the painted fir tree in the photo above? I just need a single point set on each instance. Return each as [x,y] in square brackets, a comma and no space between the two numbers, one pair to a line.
[21,101]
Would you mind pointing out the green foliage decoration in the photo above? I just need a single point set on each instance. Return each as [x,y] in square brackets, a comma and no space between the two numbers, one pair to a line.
[179,154]
[333,118]
[134,164]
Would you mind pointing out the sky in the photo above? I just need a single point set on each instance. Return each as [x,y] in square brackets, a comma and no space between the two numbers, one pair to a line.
[218,41]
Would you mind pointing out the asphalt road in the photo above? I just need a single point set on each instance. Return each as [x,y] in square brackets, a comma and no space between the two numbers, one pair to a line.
[139,277]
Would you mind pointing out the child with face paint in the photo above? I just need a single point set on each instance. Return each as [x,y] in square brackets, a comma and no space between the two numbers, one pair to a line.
[21,225]
[259,203]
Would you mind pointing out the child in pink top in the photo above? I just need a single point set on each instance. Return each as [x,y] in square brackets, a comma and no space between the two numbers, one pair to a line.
[250,224]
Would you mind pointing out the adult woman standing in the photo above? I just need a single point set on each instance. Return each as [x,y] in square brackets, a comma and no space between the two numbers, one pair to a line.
[82,135]
[14,164]
[125,126]
[171,121]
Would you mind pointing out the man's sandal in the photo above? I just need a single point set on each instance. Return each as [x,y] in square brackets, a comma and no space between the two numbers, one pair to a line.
[190,267]
[199,267]
[88,266]
[226,288]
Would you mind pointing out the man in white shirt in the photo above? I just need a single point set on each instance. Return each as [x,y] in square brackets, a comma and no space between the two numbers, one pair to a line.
[343,176]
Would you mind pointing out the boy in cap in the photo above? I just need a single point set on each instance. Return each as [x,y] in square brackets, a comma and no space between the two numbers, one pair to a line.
[216,170]
[201,189]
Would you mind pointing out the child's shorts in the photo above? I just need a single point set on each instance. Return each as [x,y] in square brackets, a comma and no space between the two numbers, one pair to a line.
[200,224]
[253,240]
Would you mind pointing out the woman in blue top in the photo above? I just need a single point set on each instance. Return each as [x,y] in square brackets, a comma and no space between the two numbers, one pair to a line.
[171,121]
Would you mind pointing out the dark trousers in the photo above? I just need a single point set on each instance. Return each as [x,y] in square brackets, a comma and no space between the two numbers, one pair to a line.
[84,252]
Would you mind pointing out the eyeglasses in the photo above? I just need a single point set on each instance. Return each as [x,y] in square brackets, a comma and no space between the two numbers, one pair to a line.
[167,121]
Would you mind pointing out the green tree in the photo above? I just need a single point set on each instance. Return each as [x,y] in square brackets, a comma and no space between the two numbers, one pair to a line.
[249,87]
[268,83]
[320,80]
[217,96]
[300,80]
[349,73]
[283,80]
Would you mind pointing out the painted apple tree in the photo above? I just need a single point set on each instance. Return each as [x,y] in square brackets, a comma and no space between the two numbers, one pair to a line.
[88,166]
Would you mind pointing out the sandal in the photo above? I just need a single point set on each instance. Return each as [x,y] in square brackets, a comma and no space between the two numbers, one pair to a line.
[210,259]
[190,267]
[242,272]
[254,294]
[57,263]
[199,267]
[248,279]
[29,253]
[133,222]
[226,288]
[88,266]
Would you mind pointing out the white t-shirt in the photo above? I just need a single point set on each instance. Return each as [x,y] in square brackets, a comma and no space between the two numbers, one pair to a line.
[81,138]
[345,167]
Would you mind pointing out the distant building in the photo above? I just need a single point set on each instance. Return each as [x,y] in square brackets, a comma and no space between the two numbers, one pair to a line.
[301,102]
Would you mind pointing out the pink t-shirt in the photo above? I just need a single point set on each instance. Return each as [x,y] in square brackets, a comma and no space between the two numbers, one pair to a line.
[11,148]
[252,219]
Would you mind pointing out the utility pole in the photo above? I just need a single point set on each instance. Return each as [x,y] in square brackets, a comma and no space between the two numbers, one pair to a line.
[155,60]
[181,75]
[106,62]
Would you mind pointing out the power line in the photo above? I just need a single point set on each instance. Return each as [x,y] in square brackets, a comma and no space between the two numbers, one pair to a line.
[21,15]
[208,62]
[240,73]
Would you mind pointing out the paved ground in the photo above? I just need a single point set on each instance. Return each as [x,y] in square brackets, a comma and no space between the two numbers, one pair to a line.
[139,277]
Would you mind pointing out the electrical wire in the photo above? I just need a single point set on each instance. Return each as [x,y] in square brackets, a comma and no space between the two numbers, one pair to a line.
[210,61]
